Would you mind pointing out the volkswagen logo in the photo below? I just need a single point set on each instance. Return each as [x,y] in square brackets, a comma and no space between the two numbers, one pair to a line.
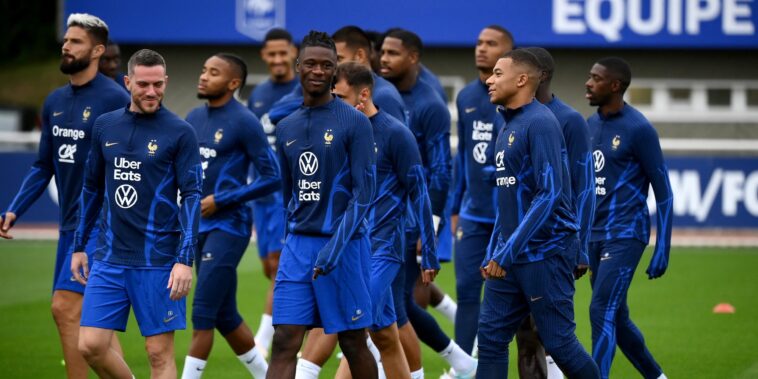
[599,160]
[126,196]
[479,153]
[308,163]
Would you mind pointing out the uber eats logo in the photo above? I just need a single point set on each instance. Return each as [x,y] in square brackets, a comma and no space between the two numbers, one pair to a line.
[309,190]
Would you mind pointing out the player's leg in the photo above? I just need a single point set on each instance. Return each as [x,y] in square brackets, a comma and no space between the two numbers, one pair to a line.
[160,354]
[94,345]
[205,304]
[384,333]
[548,287]
[270,230]
[408,338]
[317,350]
[470,247]
[614,265]
[344,305]
[628,337]
[503,309]
[531,354]
[105,308]
[425,325]
[294,306]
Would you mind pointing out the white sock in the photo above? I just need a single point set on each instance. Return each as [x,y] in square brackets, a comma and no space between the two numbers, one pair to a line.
[553,371]
[373,349]
[193,368]
[418,374]
[447,307]
[265,333]
[461,362]
[306,369]
[255,363]
[663,376]
[475,349]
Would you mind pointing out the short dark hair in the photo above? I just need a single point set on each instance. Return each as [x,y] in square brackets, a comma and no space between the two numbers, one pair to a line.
[355,74]
[376,39]
[504,31]
[145,57]
[315,38]
[619,69]
[410,40]
[547,64]
[239,67]
[96,28]
[354,37]
[276,34]
[524,57]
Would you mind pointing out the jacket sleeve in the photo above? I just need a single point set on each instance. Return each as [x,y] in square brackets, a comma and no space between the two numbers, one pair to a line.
[267,179]
[582,180]
[93,188]
[189,175]
[363,174]
[39,175]
[437,146]
[410,172]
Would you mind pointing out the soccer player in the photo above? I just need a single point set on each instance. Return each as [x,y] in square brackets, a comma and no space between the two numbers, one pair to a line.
[141,156]
[67,118]
[329,180]
[532,255]
[353,45]
[279,54]
[628,159]
[430,123]
[472,208]
[110,63]
[400,180]
[582,177]
[230,138]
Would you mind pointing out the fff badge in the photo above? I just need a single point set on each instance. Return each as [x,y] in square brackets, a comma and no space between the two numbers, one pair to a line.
[254,18]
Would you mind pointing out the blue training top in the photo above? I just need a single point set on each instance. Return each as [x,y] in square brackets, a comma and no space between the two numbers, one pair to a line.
[137,164]
[67,118]
[535,217]
[478,127]
[328,174]
[231,138]
[628,159]
[576,133]
[400,180]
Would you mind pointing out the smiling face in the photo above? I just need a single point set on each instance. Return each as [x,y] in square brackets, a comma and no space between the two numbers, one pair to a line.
[316,67]
[146,85]
[504,82]
[279,56]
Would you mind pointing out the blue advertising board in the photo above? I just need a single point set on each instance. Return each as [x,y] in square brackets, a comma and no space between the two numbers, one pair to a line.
[695,24]
[709,192]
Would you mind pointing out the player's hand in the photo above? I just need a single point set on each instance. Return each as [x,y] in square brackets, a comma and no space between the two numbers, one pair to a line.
[317,271]
[580,270]
[208,206]
[657,267]
[6,223]
[493,271]
[453,223]
[418,247]
[428,275]
[80,267]
[180,281]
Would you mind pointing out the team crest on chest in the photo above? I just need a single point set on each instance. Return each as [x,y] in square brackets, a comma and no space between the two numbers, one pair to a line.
[328,137]
[86,113]
[616,142]
[218,136]
[511,138]
[152,147]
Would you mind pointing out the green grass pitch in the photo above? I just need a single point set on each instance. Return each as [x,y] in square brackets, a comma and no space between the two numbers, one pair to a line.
[673,312]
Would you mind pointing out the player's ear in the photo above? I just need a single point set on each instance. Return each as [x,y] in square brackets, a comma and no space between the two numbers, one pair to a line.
[234,84]
[98,51]
[364,95]
[522,79]
[361,55]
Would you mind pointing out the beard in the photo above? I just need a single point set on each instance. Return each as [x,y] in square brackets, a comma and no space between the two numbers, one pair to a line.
[75,65]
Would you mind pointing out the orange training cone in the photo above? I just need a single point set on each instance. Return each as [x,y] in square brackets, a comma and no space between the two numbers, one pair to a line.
[724,308]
